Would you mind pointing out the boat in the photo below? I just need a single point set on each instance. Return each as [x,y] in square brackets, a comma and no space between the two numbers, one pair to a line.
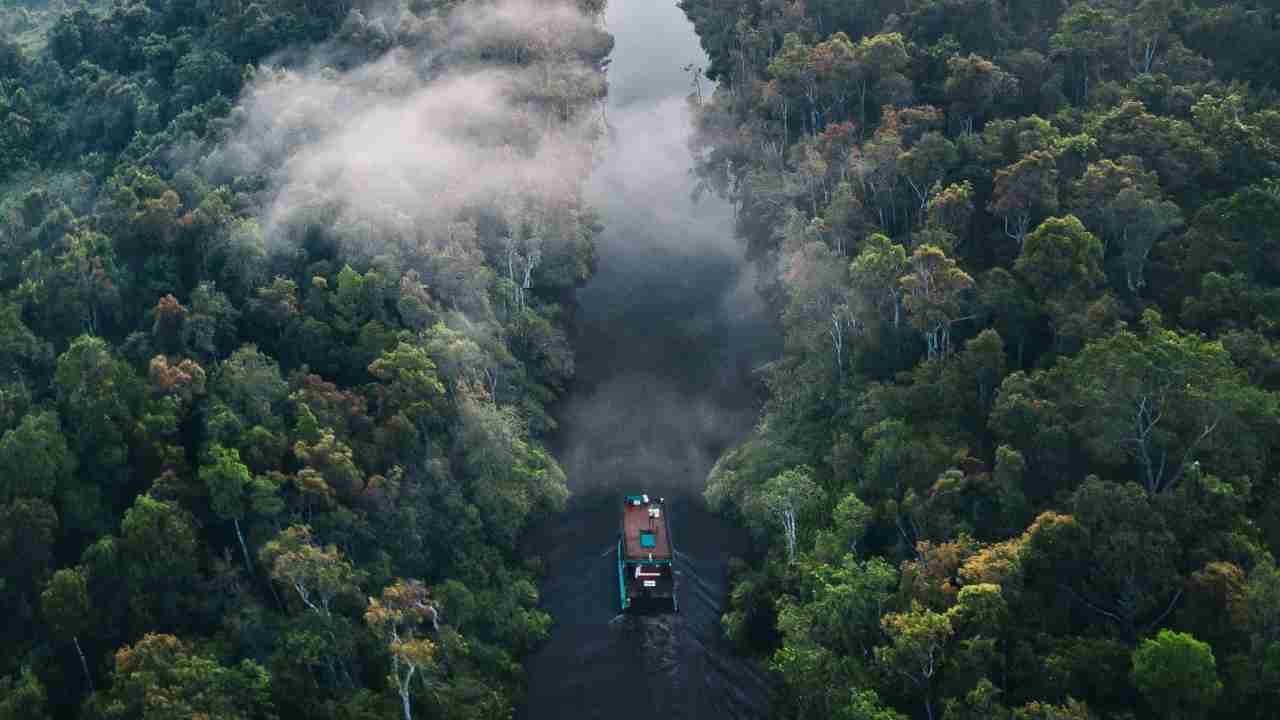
[646,576]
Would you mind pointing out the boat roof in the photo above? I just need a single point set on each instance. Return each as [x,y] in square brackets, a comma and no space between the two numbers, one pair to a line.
[643,535]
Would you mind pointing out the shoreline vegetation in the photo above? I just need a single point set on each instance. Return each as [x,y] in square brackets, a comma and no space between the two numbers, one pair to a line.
[1019,458]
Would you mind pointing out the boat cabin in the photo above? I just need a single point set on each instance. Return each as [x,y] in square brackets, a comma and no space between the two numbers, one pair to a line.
[646,577]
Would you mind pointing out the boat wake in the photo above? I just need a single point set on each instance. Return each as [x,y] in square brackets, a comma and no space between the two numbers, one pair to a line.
[603,664]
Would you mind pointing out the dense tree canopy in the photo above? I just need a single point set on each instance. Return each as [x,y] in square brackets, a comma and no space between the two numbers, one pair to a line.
[276,379]
[1022,256]
[235,403]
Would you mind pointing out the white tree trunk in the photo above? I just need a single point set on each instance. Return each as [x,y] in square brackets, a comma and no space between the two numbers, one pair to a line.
[789,527]
[83,664]
[248,565]
[406,685]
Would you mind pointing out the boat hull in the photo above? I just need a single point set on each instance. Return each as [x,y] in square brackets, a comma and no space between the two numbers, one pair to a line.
[645,558]
[650,590]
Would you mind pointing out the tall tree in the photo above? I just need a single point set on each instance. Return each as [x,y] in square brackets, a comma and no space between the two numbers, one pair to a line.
[916,651]
[788,497]
[973,84]
[34,458]
[1062,262]
[319,575]
[397,617]
[876,272]
[933,293]
[1023,191]
[1159,398]
[159,546]
[1177,675]
[228,482]
[1123,203]
[66,607]
[819,312]
[160,677]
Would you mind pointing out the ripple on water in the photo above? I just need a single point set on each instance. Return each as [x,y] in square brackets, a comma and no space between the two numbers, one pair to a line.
[665,335]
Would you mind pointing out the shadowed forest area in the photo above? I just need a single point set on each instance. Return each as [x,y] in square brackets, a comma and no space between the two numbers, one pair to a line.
[1019,457]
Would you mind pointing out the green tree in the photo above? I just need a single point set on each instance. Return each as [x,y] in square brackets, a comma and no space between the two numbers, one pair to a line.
[35,460]
[23,697]
[319,575]
[1062,262]
[1072,710]
[210,329]
[396,617]
[916,651]
[67,609]
[249,383]
[876,271]
[850,521]
[879,71]
[849,600]
[333,462]
[21,350]
[161,551]
[925,166]
[1160,397]
[1168,145]
[788,497]
[865,705]
[1116,558]
[1012,309]
[28,529]
[228,481]
[1088,35]
[948,214]
[1125,205]
[1024,190]
[934,290]
[160,677]
[98,401]
[973,84]
[818,314]
[409,381]
[1177,675]
[87,266]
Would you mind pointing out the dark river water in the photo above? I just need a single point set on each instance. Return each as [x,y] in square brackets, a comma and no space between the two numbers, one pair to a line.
[667,333]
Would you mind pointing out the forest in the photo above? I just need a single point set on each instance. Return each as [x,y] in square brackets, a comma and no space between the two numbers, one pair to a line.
[285,290]
[281,324]
[1020,454]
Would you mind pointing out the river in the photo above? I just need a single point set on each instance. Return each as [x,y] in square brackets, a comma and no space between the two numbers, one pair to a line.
[666,335]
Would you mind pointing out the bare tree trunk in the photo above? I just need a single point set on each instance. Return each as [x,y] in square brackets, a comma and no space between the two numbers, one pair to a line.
[248,564]
[789,527]
[83,664]
[405,687]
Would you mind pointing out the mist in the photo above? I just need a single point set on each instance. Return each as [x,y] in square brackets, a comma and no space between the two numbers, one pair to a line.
[479,108]
[670,328]
[476,108]
[666,334]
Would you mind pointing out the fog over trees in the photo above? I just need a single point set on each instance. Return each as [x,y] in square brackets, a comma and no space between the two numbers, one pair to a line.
[286,290]
[282,320]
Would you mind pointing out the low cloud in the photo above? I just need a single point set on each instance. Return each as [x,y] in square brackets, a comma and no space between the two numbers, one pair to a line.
[487,105]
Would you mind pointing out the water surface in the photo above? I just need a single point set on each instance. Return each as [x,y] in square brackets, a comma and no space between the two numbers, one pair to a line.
[666,335]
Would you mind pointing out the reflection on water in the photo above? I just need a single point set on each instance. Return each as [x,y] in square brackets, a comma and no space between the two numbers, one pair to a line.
[666,334]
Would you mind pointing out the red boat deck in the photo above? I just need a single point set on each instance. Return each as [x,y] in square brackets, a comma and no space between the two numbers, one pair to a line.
[636,520]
